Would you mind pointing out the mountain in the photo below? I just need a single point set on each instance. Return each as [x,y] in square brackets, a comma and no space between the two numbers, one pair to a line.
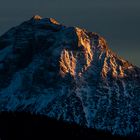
[68,74]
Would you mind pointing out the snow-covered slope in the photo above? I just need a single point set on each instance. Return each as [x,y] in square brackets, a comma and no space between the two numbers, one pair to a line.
[70,74]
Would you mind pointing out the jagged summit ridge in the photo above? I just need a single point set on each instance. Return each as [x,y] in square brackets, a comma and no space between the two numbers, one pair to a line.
[70,74]
[39,19]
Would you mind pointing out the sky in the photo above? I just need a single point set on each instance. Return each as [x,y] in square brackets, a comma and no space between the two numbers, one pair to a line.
[118,21]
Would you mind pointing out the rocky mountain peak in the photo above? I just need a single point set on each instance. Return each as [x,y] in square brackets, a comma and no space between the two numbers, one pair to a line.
[70,74]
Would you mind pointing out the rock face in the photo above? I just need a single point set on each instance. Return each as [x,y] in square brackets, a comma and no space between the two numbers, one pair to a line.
[69,74]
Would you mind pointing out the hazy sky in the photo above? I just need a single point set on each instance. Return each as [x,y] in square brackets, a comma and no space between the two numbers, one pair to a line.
[118,21]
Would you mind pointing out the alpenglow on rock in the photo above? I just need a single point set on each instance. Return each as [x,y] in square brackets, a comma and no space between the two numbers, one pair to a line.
[70,74]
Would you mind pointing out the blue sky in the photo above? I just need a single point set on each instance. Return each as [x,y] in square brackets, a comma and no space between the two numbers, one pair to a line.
[117,21]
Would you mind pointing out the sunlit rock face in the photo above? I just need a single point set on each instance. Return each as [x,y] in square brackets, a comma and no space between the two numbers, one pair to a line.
[70,74]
